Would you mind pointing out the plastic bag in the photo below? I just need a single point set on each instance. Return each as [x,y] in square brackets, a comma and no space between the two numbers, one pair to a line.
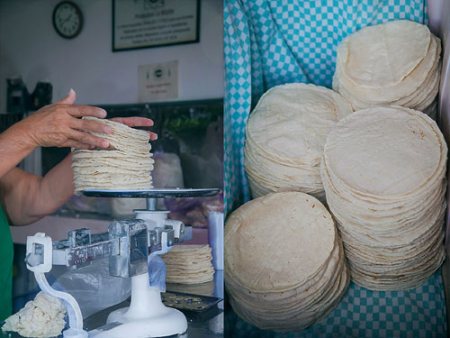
[157,272]
[93,287]
[194,210]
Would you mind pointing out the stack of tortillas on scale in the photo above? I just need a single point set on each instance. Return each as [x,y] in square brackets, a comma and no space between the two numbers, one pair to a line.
[396,63]
[284,261]
[285,137]
[127,165]
[189,264]
[383,171]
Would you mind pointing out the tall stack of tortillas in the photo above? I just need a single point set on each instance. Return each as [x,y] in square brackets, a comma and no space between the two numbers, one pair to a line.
[396,63]
[127,165]
[284,261]
[383,171]
[285,137]
[189,264]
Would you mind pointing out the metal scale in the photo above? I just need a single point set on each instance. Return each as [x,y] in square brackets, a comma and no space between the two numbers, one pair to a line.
[128,244]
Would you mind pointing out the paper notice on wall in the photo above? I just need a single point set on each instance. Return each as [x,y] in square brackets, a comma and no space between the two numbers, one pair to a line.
[154,23]
[158,82]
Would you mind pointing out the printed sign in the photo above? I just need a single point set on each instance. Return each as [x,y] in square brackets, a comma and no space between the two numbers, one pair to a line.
[158,82]
[154,23]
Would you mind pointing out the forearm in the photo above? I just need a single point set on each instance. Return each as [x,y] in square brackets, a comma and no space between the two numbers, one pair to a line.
[15,145]
[55,188]
[27,198]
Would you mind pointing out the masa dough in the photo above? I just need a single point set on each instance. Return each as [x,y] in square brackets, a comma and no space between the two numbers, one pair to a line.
[42,317]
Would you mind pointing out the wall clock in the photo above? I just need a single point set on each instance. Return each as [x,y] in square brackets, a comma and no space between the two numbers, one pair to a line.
[67,19]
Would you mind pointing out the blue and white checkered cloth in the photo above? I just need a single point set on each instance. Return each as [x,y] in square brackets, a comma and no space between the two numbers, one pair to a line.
[271,42]
[416,313]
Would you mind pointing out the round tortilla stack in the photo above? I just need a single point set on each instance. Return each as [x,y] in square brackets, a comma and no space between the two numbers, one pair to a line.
[205,289]
[189,264]
[285,137]
[396,63]
[126,165]
[383,171]
[284,261]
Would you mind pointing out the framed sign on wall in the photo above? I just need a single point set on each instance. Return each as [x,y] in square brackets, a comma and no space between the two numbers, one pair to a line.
[154,23]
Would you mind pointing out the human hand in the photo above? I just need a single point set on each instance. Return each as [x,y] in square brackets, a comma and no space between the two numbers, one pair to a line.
[60,125]
[137,122]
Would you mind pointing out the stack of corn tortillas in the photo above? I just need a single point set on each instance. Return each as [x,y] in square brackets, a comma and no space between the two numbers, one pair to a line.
[205,288]
[396,63]
[189,264]
[126,165]
[383,171]
[284,261]
[285,137]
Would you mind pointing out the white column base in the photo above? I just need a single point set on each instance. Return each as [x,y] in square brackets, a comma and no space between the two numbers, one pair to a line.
[146,317]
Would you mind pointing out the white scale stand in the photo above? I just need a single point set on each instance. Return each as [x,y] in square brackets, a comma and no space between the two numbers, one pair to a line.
[146,316]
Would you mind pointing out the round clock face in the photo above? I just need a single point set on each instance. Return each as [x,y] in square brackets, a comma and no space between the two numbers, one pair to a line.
[67,19]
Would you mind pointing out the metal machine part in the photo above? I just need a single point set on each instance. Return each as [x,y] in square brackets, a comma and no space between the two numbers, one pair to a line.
[128,244]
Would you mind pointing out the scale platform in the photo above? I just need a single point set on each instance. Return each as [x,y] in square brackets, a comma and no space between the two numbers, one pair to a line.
[153,193]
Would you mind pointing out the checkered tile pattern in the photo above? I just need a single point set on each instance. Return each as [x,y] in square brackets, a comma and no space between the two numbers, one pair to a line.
[271,42]
[416,313]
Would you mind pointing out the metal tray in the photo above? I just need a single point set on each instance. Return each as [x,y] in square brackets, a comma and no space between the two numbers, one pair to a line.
[189,302]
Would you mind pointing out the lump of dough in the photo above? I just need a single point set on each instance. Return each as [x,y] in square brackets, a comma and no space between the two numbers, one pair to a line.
[42,317]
